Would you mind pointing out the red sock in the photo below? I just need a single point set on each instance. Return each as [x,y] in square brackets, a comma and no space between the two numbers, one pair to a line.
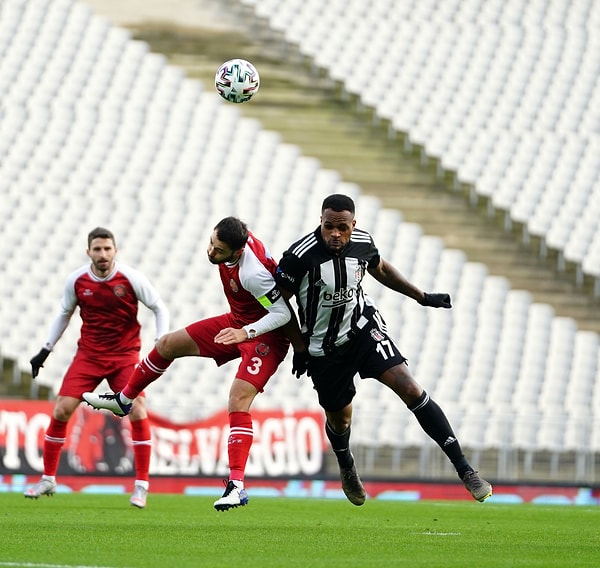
[148,370]
[239,443]
[54,440]
[142,447]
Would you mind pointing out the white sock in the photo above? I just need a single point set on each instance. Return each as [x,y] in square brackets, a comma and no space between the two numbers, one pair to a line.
[124,399]
[142,483]
[49,478]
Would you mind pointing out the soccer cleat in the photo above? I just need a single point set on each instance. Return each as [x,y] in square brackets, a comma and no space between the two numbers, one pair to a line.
[478,487]
[107,401]
[42,487]
[138,497]
[352,485]
[232,498]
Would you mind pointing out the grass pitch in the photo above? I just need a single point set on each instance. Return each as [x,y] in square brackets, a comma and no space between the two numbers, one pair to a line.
[180,531]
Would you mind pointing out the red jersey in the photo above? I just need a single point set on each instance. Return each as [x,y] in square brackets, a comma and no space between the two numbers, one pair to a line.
[108,308]
[249,284]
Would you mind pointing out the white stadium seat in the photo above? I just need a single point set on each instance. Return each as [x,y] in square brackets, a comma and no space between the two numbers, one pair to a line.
[96,129]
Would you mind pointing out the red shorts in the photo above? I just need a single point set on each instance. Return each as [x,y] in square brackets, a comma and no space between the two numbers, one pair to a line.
[86,372]
[260,356]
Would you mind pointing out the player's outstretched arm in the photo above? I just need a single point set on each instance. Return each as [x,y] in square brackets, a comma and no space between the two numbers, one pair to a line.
[392,278]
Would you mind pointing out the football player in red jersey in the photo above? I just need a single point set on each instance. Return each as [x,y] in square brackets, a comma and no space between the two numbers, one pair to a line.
[107,294]
[252,330]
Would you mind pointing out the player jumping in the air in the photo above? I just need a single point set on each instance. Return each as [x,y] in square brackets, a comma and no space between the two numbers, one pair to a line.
[347,335]
[251,330]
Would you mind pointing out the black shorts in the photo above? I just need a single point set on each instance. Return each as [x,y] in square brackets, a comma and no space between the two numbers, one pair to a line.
[370,354]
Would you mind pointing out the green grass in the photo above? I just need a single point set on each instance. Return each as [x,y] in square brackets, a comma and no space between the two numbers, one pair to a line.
[179,531]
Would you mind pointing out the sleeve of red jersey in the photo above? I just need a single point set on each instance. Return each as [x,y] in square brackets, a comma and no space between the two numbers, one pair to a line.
[68,304]
[148,295]
[260,283]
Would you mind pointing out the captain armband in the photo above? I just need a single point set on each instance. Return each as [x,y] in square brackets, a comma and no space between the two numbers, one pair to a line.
[270,297]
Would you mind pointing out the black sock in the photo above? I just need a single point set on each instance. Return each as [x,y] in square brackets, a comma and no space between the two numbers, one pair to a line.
[340,443]
[435,424]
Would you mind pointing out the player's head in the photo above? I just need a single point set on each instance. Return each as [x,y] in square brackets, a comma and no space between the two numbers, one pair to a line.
[337,221]
[227,240]
[101,250]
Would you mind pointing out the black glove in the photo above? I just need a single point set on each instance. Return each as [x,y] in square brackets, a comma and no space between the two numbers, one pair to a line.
[300,364]
[436,300]
[37,362]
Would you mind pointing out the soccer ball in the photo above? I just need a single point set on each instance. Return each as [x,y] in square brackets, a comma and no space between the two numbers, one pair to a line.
[237,80]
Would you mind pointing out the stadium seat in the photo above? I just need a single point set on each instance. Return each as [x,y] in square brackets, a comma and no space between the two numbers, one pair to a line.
[472,428]
[96,129]
[510,348]
[460,123]
[559,363]
[535,355]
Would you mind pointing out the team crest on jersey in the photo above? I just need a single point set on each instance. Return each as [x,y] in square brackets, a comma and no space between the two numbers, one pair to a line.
[262,349]
[377,335]
[233,285]
[120,291]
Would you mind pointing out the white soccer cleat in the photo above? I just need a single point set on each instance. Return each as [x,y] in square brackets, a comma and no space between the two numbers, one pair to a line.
[138,497]
[42,487]
[108,401]
[232,498]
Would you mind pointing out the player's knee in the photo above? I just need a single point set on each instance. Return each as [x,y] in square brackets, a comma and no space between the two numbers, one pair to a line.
[341,420]
[340,425]
[62,412]
[176,344]
[170,346]
[164,346]
[402,383]
[412,392]
[241,396]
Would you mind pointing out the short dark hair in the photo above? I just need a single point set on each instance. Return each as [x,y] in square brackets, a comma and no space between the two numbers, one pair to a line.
[338,202]
[100,233]
[232,231]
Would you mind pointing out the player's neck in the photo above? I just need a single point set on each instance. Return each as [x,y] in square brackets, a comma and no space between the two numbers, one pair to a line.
[102,273]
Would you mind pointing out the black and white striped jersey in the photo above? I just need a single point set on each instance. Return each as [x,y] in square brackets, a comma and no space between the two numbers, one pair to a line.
[332,304]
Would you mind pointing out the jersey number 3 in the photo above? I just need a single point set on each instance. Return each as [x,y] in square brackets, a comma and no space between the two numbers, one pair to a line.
[254,369]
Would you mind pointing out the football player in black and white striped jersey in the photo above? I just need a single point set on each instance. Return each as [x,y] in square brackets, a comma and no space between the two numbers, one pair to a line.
[345,334]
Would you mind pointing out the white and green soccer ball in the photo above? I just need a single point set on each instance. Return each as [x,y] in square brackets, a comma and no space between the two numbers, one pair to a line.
[237,80]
